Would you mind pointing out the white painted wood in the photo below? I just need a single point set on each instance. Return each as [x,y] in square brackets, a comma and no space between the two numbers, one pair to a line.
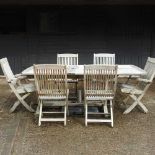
[130,70]
[135,103]
[99,85]
[7,70]
[86,114]
[101,113]
[53,112]
[65,115]
[21,91]
[51,84]
[40,112]
[52,120]
[105,107]
[137,92]
[98,120]
[21,98]
[111,112]
[60,97]
[99,98]
[17,103]
[123,70]
[104,58]
[67,59]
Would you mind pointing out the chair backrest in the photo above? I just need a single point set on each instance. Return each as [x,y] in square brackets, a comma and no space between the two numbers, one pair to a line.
[7,69]
[150,69]
[67,59]
[50,79]
[100,80]
[104,58]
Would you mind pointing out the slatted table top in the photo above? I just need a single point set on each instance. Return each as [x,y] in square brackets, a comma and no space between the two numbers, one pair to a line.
[123,70]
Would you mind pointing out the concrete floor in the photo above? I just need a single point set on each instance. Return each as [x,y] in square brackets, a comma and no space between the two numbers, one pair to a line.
[20,135]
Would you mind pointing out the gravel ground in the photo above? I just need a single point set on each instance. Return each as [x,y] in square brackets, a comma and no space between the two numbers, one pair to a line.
[132,134]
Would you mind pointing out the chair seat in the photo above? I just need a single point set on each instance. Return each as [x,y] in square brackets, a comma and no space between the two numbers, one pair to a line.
[144,80]
[99,95]
[26,88]
[72,80]
[61,97]
[127,86]
[99,92]
[131,91]
[99,98]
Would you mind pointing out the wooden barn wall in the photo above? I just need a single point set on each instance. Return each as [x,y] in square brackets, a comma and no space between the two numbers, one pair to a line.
[127,31]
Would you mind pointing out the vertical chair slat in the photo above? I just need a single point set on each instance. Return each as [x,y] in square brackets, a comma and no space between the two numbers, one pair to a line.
[104,58]
[68,59]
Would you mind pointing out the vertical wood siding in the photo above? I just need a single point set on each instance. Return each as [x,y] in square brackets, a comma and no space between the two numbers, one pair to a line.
[24,52]
[127,32]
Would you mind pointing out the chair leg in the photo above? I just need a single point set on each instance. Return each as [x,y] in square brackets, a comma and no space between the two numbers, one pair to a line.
[26,106]
[13,108]
[86,114]
[67,103]
[17,103]
[67,110]
[21,99]
[143,107]
[105,107]
[40,112]
[136,102]
[65,113]
[126,99]
[130,108]
[111,112]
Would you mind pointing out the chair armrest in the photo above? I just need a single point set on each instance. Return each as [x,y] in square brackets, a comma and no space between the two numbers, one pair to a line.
[23,78]
[20,76]
[144,80]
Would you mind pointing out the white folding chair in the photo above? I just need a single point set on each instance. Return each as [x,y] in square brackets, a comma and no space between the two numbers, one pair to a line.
[21,91]
[138,91]
[104,58]
[51,84]
[67,59]
[99,88]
